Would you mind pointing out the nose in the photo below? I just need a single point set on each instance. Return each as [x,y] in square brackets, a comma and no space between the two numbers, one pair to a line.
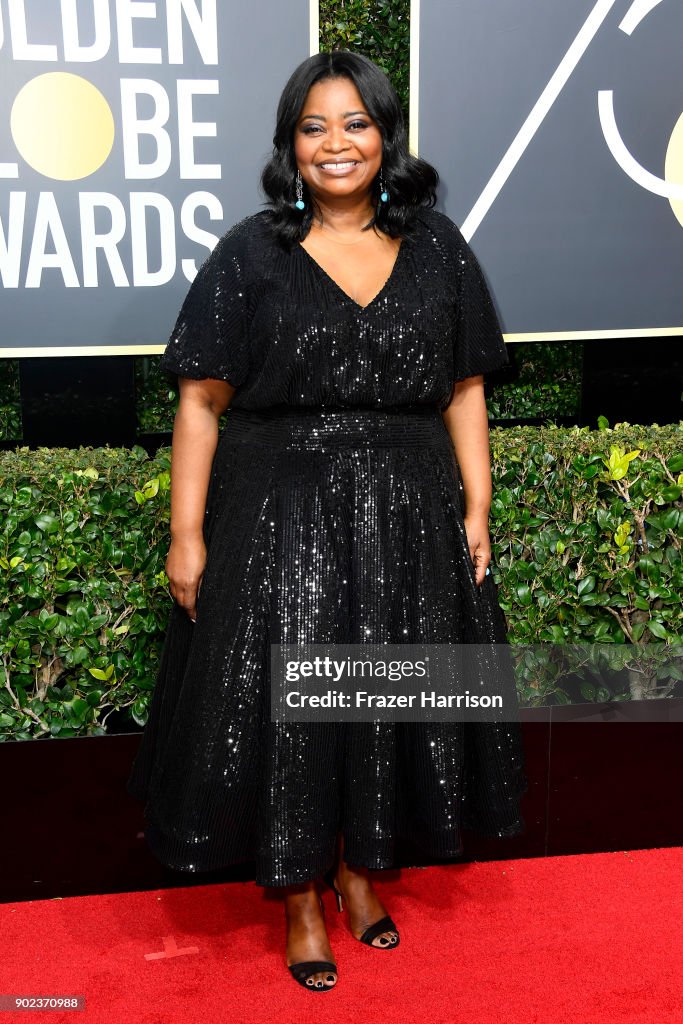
[335,140]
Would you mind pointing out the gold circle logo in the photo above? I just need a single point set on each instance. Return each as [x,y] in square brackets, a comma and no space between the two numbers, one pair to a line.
[673,167]
[62,126]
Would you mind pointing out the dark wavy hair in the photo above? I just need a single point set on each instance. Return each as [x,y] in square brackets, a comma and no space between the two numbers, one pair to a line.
[410,181]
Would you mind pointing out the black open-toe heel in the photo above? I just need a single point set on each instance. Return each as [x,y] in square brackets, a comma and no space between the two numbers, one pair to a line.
[385,924]
[305,969]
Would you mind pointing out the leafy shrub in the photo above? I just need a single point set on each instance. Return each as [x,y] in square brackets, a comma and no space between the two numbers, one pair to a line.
[587,528]
[83,600]
[586,534]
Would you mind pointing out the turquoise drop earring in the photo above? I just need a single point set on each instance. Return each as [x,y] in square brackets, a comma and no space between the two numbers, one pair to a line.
[300,204]
[384,195]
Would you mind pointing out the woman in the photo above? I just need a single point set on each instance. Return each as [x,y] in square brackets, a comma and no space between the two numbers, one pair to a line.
[347,329]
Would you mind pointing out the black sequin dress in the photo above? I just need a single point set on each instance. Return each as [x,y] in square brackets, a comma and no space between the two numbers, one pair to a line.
[334,514]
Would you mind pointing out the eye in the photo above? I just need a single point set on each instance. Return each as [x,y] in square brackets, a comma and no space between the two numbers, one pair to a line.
[311,128]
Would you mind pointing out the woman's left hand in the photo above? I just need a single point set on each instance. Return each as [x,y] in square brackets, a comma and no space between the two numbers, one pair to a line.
[479,543]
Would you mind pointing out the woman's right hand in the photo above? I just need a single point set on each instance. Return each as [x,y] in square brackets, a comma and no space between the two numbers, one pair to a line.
[185,564]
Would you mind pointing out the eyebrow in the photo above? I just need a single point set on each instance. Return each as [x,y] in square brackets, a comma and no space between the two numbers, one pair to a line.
[347,113]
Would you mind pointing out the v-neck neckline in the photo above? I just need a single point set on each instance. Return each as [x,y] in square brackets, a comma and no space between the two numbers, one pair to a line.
[339,288]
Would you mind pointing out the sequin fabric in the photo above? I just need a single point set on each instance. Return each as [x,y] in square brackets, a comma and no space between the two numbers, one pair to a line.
[334,514]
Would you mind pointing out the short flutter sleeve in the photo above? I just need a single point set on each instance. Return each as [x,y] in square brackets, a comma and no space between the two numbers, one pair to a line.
[210,337]
[478,345]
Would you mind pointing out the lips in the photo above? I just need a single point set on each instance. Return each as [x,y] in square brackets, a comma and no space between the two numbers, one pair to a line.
[338,167]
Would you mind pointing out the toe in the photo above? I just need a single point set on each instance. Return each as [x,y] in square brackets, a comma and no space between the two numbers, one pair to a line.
[324,979]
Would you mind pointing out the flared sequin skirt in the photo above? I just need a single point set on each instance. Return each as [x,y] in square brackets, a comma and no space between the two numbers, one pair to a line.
[322,526]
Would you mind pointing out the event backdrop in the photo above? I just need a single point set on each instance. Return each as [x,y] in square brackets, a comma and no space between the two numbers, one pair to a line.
[557,128]
[132,134]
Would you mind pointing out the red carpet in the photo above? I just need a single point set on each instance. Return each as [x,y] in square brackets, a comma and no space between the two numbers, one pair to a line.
[562,940]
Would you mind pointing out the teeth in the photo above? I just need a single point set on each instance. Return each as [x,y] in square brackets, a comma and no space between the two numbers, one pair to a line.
[346,163]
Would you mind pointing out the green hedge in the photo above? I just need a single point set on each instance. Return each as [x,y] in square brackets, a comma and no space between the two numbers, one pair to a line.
[586,529]
[84,594]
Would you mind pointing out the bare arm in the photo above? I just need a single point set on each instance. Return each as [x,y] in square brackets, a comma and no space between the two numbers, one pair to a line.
[466,420]
[195,437]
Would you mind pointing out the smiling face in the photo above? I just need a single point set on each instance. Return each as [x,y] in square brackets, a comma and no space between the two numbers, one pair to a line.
[337,145]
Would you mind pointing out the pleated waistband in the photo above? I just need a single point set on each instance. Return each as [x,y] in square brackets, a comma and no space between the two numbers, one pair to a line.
[317,427]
